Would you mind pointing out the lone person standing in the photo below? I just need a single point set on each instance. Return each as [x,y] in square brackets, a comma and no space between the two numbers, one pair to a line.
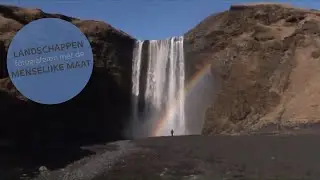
[171,132]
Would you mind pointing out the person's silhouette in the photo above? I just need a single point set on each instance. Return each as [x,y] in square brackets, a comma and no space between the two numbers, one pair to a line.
[171,132]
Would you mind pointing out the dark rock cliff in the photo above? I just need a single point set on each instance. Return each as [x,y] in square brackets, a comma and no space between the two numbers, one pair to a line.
[98,113]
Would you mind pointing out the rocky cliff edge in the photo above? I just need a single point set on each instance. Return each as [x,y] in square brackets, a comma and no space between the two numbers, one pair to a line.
[266,58]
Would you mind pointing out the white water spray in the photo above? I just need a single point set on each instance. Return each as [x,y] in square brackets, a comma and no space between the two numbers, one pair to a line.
[164,90]
[136,78]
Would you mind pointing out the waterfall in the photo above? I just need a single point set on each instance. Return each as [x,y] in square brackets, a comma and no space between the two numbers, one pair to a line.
[182,128]
[164,85]
[136,78]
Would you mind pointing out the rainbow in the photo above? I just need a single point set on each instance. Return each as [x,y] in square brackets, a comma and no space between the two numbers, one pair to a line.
[172,105]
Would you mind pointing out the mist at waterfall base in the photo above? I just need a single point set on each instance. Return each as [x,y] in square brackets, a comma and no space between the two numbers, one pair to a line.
[161,100]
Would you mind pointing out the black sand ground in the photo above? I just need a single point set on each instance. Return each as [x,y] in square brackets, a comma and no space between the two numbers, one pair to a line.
[203,158]
[255,157]
[217,158]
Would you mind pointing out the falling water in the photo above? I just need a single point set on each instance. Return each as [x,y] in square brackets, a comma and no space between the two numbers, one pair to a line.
[182,126]
[164,86]
[136,78]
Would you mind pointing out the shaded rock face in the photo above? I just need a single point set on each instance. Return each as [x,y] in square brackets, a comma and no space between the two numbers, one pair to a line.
[98,113]
[265,58]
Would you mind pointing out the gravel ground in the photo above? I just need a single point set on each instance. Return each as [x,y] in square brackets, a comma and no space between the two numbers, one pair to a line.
[221,158]
[92,166]
[257,157]
[254,157]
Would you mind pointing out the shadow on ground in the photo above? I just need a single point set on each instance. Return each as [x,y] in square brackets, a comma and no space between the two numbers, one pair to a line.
[16,164]
[53,136]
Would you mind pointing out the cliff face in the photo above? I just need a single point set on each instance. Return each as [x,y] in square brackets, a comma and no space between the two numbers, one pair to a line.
[97,113]
[266,61]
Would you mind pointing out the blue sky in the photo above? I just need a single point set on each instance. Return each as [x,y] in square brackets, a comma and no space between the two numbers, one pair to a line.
[144,19]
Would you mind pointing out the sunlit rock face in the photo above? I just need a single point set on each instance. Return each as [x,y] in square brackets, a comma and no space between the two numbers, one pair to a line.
[265,62]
